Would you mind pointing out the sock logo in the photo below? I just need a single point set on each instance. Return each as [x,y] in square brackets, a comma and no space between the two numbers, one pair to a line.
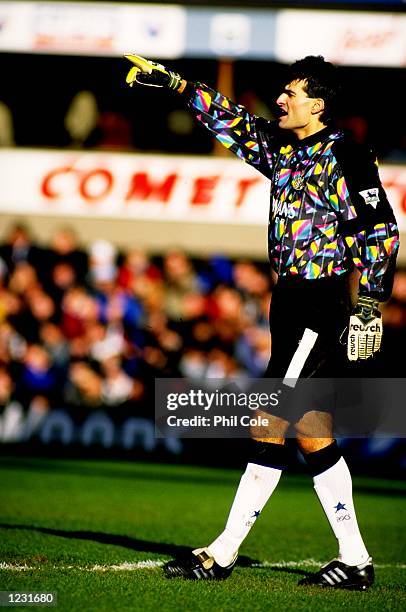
[343,517]
[253,518]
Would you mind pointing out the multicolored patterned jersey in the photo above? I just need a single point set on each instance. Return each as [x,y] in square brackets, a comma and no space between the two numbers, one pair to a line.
[328,209]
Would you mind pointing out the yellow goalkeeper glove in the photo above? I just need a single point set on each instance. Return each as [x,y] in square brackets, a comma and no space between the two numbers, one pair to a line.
[146,72]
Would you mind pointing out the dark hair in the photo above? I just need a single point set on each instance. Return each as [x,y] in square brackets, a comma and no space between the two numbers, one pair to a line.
[321,82]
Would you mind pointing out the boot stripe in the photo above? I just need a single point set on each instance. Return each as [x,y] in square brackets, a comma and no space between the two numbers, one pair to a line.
[341,573]
[334,576]
[328,579]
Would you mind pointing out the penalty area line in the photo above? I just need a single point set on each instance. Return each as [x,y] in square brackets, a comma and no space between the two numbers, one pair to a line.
[155,563]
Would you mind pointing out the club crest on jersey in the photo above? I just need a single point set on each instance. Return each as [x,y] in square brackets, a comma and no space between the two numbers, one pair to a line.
[371,196]
[298,182]
[283,209]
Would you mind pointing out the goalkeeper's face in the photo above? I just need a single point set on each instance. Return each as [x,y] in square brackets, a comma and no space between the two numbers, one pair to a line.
[298,111]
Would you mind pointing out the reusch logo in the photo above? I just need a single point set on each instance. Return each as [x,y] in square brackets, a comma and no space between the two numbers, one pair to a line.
[353,349]
[372,328]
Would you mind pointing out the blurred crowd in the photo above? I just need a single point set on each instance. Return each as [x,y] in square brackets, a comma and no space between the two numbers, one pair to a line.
[93,328]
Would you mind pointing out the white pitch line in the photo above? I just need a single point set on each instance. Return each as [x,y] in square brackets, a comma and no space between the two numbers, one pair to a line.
[289,564]
[313,563]
[122,567]
[14,567]
[126,567]
[153,564]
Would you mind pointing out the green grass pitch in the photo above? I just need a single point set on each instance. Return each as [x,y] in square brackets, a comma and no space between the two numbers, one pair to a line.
[95,532]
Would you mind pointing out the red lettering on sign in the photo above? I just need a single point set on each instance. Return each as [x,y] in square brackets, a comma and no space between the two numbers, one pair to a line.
[243,186]
[143,188]
[396,182]
[203,190]
[365,40]
[46,186]
[106,184]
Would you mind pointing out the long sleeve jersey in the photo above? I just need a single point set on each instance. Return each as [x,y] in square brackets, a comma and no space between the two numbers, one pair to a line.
[328,208]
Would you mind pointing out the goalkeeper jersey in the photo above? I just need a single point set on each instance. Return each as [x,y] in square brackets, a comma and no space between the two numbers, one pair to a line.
[328,209]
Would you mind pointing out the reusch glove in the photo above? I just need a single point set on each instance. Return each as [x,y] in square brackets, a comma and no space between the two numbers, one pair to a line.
[146,72]
[365,329]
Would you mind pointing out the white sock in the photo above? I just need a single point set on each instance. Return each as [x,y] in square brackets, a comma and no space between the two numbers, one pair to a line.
[334,490]
[256,486]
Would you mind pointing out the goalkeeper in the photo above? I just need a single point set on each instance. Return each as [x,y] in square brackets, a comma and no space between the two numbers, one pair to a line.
[328,213]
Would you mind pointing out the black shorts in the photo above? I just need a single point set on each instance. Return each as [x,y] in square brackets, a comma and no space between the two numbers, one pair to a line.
[307,320]
[300,307]
[309,365]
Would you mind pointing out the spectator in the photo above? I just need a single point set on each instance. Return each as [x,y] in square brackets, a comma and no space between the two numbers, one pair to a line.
[55,343]
[11,411]
[180,278]
[65,250]
[84,386]
[78,309]
[81,117]
[117,386]
[19,247]
[62,278]
[114,131]
[105,341]
[136,265]
[38,376]
[6,126]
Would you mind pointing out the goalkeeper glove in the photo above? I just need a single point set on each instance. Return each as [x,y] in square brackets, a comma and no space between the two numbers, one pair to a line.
[365,329]
[146,72]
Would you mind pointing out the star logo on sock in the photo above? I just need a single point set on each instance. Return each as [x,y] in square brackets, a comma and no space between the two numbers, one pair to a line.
[256,514]
[340,506]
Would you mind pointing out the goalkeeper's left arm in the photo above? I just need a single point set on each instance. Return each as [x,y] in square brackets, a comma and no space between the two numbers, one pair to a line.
[371,235]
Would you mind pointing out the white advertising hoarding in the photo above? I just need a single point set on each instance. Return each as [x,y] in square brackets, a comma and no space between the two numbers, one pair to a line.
[169,31]
[16,26]
[350,38]
[85,28]
[171,188]
[188,189]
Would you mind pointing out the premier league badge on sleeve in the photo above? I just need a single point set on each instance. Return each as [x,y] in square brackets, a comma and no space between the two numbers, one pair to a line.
[371,196]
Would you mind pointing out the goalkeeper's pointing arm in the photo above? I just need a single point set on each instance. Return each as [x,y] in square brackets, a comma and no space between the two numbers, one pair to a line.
[236,129]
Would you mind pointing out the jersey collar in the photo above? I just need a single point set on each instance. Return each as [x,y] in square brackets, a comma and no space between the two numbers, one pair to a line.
[317,137]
